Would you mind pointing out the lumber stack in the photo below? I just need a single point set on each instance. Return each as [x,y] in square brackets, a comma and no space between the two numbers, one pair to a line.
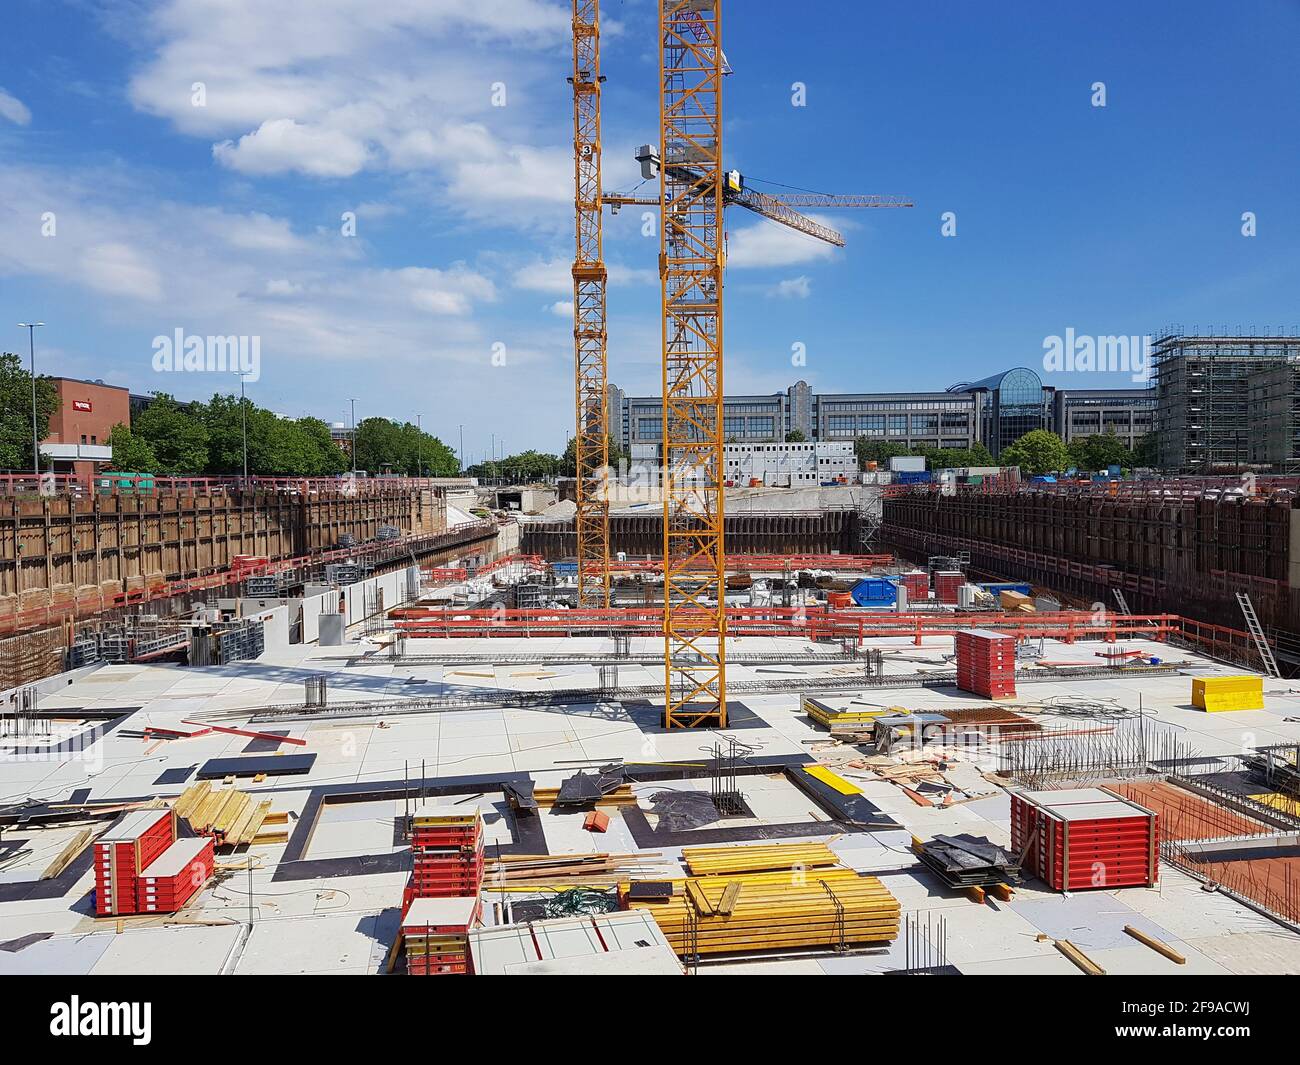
[559,872]
[231,817]
[622,796]
[826,907]
[720,861]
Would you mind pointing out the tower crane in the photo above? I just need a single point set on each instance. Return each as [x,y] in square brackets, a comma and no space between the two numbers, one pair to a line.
[591,446]
[693,191]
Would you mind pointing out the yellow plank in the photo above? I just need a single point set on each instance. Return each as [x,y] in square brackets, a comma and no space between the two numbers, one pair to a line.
[832,780]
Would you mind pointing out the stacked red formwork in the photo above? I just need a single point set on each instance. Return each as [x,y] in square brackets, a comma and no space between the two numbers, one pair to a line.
[446,852]
[1085,838]
[435,934]
[181,870]
[917,583]
[986,663]
[946,585]
[124,852]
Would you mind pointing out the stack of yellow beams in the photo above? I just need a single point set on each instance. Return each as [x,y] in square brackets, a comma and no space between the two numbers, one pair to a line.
[787,909]
[1016,602]
[849,717]
[718,861]
[621,797]
[768,897]
[1217,695]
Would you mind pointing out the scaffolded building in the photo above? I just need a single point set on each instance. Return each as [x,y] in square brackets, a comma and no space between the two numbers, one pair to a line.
[1206,417]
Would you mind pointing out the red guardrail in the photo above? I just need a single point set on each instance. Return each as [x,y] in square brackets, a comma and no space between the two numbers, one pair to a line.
[815,623]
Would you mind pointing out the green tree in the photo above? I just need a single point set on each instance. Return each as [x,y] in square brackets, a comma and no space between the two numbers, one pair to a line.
[131,453]
[795,436]
[1146,451]
[568,462]
[1037,452]
[384,445]
[16,412]
[177,435]
[948,458]
[1097,452]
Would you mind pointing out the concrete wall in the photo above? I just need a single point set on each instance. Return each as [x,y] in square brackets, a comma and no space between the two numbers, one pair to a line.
[395,588]
[64,548]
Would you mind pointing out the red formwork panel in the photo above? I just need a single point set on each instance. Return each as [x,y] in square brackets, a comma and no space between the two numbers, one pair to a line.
[986,663]
[129,846]
[435,934]
[917,584]
[176,877]
[1086,838]
[946,584]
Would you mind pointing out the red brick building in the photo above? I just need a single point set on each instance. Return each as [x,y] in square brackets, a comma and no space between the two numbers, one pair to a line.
[79,429]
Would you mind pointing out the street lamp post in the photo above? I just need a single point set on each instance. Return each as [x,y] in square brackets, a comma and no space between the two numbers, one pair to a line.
[243,411]
[462,449]
[31,328]
[354,438]
[419,447]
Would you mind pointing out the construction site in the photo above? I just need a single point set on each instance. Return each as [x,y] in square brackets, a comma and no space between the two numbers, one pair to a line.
[408,726]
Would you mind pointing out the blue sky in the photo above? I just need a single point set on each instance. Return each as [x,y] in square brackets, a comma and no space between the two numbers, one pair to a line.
[225,218]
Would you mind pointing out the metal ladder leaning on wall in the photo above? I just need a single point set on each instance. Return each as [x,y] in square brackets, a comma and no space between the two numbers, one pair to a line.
[1257,634]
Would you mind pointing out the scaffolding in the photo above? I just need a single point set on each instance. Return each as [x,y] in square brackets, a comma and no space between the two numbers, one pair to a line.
[1205,420]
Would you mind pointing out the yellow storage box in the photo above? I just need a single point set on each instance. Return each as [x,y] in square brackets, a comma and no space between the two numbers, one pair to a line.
[1216,695]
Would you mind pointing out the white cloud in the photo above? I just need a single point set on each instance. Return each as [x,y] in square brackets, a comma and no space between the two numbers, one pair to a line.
[769,244]
[562,308]
[121,270]
[259,232]
[329,88]
[553,276]
[282,145]
[792,288]
[14,109]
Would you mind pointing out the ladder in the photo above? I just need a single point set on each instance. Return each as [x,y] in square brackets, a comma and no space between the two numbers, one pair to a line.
[1257,634]
[1118,593]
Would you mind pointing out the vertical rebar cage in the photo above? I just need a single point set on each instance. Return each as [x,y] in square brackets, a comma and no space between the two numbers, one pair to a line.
[691,267]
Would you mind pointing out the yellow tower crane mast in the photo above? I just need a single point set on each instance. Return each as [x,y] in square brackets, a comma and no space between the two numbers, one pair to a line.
[693,191]
[691,264]
[591,448]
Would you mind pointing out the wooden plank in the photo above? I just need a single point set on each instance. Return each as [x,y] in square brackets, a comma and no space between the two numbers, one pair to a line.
[1159,946]
[75,846]
[1085,963]
[698,899]
[729,896]
[191,797]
